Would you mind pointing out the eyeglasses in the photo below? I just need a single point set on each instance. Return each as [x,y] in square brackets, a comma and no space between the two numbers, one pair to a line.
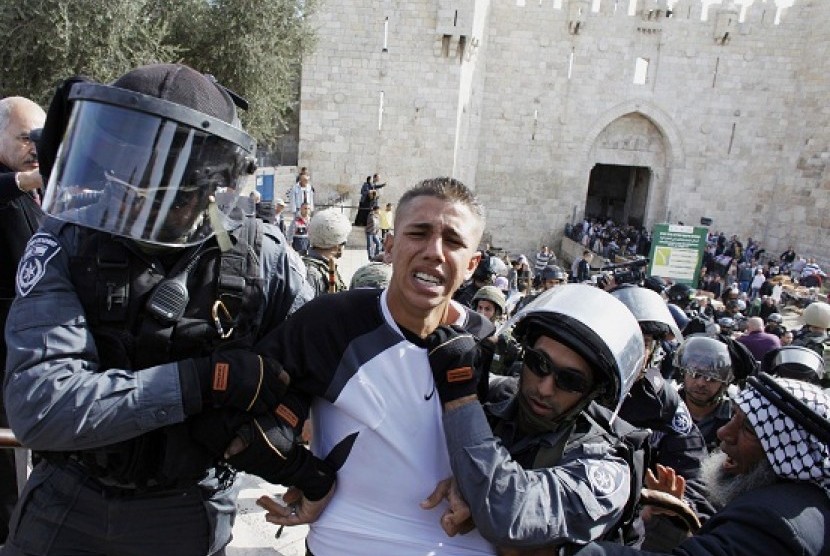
[565,378]
[694,375]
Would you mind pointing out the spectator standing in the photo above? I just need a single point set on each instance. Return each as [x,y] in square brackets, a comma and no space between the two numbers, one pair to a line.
[302,194]
[298,231]
[369,195]
[543,257]
[583,267]
[387,220]
[279,220]
[756,340]
[20,216]
[374,247]
[757,281]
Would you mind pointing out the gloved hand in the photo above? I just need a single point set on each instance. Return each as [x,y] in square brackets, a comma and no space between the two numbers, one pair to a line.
[453,356]
[271,454]
[234,378]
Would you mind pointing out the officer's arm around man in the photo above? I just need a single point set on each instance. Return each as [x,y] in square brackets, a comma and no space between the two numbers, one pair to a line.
[544,471]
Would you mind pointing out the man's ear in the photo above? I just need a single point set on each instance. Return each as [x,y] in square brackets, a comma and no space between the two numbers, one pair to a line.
[471,266]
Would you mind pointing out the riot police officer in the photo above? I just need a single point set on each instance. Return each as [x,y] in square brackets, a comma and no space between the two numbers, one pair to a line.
[135,302]
[795,362]
[654,403]
[560,452]
[706,367]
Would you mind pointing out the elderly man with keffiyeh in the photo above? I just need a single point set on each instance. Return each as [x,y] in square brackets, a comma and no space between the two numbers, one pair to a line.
[772,476]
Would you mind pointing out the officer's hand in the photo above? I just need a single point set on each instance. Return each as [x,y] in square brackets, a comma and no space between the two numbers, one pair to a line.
[457,518]
[240,379]
[656,502]
[296,509]
[453,356]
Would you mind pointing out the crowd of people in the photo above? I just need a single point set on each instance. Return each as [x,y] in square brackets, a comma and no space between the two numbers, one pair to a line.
[163,339]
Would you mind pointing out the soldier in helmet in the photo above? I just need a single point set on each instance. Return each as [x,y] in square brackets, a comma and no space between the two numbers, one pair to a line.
[706,368]
[550,441]
[483,275]
[371,275]
[813,334]
[327,233]
[135,303]
[489,301]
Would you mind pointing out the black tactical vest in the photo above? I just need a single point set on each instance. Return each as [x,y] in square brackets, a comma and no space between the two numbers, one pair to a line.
[114,281]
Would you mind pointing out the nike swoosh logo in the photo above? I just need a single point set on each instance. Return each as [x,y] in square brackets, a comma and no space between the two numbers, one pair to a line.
[428,397]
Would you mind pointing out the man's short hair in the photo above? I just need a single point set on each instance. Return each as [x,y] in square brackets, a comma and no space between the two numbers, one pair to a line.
[446,189]
[586,252]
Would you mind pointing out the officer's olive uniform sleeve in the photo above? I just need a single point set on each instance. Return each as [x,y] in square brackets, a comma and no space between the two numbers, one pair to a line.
[55,396]
[576,501]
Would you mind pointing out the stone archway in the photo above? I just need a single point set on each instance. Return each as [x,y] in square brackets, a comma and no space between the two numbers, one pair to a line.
[638,140]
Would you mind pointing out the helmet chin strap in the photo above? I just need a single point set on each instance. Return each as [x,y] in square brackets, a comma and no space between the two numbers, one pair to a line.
[216,222]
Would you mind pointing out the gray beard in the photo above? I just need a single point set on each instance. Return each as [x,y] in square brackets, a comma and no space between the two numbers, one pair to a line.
[723,488]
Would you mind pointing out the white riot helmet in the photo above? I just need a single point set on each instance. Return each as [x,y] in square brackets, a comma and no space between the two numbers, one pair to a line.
[157,157]
[596,326]
[328,228]
[650,310]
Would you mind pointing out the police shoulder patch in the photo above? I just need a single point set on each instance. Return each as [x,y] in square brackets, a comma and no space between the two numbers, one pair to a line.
[39,251]
[682,420]
[605,479]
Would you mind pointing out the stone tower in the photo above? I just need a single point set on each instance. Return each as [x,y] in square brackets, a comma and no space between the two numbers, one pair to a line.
[554,109]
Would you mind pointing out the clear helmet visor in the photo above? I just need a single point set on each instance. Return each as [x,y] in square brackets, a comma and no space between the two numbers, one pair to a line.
[150,177]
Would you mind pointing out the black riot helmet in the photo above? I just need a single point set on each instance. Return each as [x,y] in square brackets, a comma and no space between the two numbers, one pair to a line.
[485,271]
[700,355]
[680,295]
[796,362]
[158,156]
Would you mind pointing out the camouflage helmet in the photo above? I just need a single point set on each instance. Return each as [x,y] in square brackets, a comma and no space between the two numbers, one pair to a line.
[491,294]
[372,275]
[328,228]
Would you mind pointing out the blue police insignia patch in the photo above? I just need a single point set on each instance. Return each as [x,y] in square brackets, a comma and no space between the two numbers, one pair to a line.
[682,420]
[39,251]
[604,479]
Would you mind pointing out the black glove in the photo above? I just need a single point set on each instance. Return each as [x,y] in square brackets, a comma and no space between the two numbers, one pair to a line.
[454,357]
[272,455]
[234,378]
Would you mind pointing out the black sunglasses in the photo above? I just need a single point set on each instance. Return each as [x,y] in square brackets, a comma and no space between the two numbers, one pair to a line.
[565,378]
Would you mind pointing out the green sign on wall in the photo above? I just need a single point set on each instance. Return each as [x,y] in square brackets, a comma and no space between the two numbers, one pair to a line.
[677,252]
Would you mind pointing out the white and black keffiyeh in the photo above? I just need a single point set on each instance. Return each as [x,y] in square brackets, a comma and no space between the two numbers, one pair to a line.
[793,452]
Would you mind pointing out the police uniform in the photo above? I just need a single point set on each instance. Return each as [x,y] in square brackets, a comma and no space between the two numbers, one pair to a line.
[710,424]
[556,488]
[94,380]
[52,344]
